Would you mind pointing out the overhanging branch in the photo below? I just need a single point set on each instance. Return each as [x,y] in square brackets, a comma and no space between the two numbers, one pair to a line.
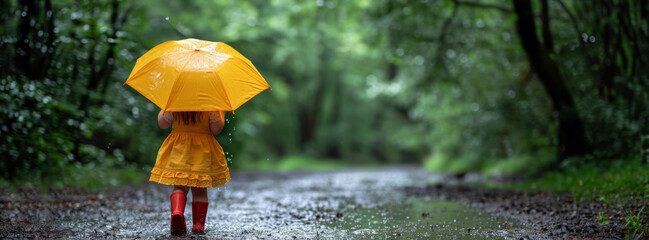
[485,5]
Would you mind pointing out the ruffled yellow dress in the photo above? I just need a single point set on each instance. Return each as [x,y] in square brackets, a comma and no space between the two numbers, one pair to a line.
[191,156]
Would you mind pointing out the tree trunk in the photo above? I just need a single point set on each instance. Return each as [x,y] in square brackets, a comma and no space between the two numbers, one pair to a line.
[571,137]
[31,61]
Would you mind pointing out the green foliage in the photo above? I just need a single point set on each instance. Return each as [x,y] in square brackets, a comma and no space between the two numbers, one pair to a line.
[106,174]
[634,223]
[33,129]
[601,218]
[443,83]
[612,181]
[73,117]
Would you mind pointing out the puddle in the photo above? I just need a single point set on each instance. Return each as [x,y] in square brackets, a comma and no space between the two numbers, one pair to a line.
[419,218]
[326,205]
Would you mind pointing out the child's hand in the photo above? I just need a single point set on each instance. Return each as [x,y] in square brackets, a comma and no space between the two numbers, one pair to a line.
[217,121]
[164,119]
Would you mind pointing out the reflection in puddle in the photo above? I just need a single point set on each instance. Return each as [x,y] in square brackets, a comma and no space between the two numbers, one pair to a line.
[419,218]
[325,205]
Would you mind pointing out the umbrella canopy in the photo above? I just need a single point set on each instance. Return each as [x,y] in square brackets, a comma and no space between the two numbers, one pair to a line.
[196,75]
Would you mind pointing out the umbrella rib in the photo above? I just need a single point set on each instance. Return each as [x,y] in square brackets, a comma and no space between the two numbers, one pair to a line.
[253,72]
[174,85]
[224,90]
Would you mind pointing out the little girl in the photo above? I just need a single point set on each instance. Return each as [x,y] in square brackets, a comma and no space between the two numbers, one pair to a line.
[190,158]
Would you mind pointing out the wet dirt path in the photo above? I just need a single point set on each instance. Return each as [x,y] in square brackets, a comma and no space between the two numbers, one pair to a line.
[322,205]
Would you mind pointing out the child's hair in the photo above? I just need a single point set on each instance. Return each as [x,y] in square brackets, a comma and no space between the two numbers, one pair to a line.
[188,117]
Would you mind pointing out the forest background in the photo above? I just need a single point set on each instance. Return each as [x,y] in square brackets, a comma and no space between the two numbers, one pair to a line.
[456,86]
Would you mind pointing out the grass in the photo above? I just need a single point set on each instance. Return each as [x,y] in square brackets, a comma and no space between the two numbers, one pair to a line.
[609,182]
[634,224]
[602,218]
[112,173]
[612,181]
[514,164]
[89,176]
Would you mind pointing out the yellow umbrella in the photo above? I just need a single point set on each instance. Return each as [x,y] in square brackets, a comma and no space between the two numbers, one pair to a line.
[196,75]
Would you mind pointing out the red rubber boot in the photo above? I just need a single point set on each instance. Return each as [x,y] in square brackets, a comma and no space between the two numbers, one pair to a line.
[199,213]
[178,200]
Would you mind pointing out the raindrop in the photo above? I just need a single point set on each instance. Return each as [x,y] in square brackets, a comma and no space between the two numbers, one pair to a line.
[167,18]
[450,53]
[75,15]
[511,94]
[479,23]
[371,80]
[592,39]
[399,51]
[466,22]
[251,21]
[419,60]
[475,107]
[506,36]
[320,3]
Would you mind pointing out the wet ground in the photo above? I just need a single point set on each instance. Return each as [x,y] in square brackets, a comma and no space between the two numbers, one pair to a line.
[395,203]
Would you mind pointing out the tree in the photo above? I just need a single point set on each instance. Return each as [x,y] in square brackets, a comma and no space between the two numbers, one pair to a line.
[571,138]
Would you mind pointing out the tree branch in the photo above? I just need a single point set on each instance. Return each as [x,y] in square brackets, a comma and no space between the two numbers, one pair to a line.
[571,16]
[440,40]
[484,5]
[545,27]
[46,60]
[175,29]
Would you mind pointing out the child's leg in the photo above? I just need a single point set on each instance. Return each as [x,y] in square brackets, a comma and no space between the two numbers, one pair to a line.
[183,189]
[178,200]
[199,209]
[199,194]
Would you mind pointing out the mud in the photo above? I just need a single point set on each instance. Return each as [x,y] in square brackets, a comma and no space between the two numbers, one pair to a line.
[547,215]
[393,203]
